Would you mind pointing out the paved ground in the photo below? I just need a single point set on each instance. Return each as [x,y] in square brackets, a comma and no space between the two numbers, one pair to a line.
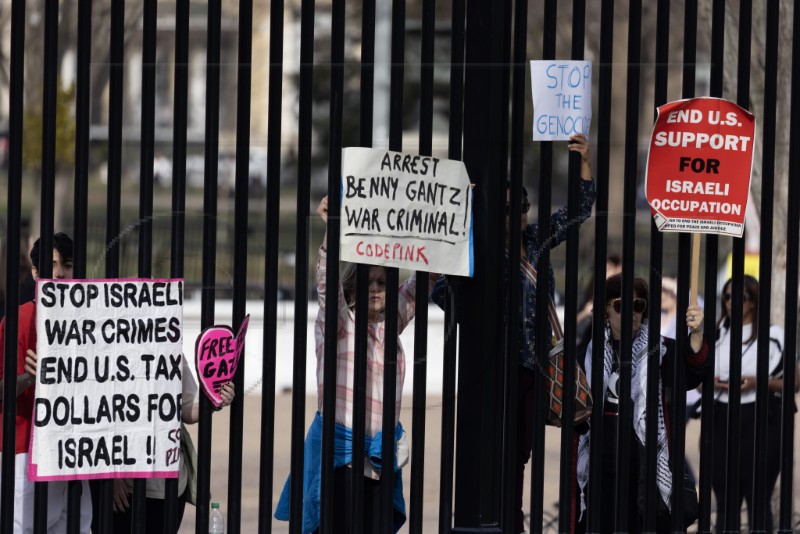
[252,418]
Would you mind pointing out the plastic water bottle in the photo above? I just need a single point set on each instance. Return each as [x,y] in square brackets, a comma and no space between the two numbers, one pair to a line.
[215,522]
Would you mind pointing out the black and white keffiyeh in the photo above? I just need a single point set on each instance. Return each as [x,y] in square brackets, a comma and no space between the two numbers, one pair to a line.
[639,394]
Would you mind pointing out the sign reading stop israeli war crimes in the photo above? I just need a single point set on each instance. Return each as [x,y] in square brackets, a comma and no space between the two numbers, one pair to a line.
[407,211]
[108,385]
[562,99]
[699,166]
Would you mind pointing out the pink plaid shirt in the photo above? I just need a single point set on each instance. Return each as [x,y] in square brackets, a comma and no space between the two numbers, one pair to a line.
[346,353]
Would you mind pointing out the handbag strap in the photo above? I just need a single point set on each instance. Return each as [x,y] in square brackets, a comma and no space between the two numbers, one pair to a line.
[530,273]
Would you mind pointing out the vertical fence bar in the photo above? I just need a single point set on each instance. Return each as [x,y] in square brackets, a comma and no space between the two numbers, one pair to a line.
[421,318]
[689,68]
[731,512]
[115,105]
[209,249]
[82,122]
[761,501]
[113,201]
[594,503]
[543,288]
[712,254]
[625,417]
[301,266]
[678,429]
[271,267]
[332,281]
[684,272]
[790,324]
[13,217]
[145,227]
[81,197]
[243,104]
[568,444]
[178,221]
[651,495]
[478,473]
[455,133]
[391,327]
[362,277]
[48,183]
[512,498]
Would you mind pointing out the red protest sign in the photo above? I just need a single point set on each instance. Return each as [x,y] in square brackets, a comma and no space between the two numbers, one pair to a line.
[699,166]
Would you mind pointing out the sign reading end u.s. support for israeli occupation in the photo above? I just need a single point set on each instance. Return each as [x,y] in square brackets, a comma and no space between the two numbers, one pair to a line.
[108,385]
[407,211]
[562,99]
[699,166]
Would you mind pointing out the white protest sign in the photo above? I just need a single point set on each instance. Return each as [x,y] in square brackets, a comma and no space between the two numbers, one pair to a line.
[108,385]
[562,99]
[407,211]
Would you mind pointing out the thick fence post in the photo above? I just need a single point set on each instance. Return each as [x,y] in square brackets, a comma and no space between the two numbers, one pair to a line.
[478,461]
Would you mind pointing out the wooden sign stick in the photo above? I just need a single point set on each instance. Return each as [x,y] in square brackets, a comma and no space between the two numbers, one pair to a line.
[695,269]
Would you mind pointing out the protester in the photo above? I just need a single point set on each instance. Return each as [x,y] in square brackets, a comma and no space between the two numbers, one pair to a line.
[25,386]
[583,323]
[155,488]
[749,354]
[529,255]
[607,392]
[343,415]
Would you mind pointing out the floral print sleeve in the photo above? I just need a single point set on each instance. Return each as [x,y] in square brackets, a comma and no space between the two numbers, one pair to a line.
[559,221]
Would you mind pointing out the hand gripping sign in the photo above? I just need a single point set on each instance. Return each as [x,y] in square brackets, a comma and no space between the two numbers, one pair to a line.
[109,379]
[699,166]
[217,356]
[407,211]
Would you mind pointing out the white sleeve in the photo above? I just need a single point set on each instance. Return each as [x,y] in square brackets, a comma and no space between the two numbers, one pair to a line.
[776,338]
[189,391]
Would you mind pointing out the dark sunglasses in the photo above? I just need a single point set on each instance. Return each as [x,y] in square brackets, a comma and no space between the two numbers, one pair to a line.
[727,297]
[526,206]
[639,305]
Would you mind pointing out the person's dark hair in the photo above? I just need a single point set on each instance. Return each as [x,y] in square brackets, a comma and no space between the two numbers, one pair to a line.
[524,190]
[614,291]
[61,242]
[588,291]
[348,279]
[750,292]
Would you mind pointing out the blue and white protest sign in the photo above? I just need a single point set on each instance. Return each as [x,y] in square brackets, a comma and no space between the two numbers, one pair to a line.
[562,99]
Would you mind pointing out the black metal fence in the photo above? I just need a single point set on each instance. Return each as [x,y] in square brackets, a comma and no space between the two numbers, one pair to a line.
[487,107]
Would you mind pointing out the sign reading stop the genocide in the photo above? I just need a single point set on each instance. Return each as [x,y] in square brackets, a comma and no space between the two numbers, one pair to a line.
[699,166]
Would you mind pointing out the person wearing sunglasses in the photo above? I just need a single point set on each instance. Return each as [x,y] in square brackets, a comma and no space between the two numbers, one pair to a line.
[697,365]
[748,355]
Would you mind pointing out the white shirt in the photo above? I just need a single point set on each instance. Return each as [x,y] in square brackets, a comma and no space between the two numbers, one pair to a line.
[749,358]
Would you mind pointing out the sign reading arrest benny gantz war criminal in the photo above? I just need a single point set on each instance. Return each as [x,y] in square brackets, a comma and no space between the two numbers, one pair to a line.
[401,210]
[699,166]
[108,385]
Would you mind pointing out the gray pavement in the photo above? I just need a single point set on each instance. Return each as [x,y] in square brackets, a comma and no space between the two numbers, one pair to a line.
[251,454]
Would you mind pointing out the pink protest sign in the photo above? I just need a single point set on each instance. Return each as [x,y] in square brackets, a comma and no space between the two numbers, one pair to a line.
[217,355]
